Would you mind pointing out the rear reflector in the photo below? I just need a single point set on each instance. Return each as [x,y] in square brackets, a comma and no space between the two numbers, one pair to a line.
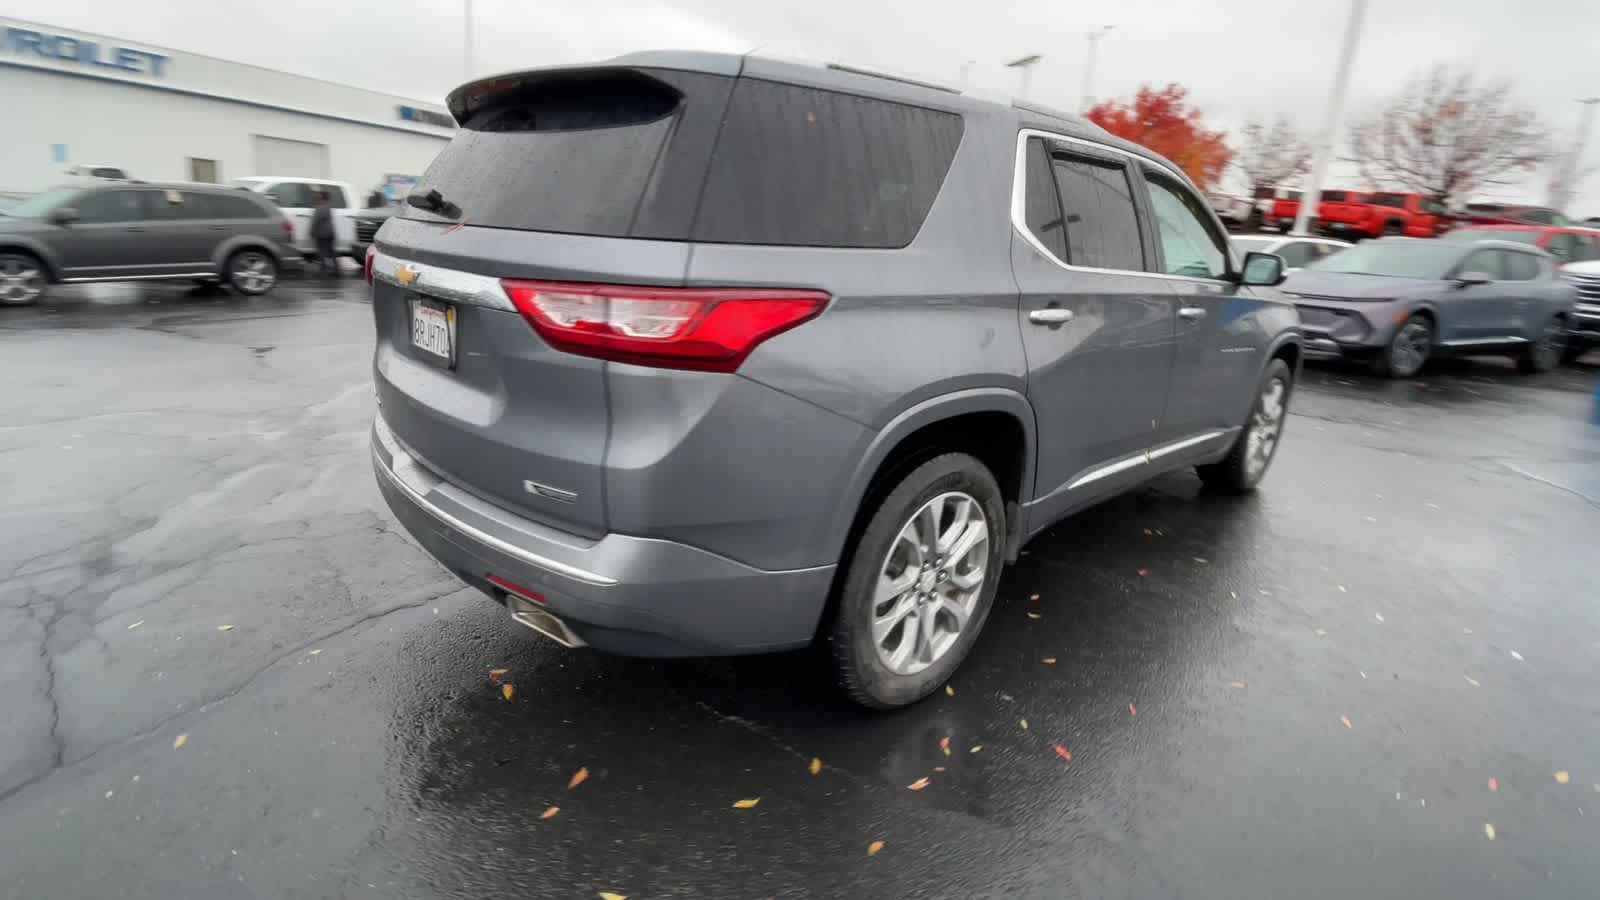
[704,329]
[514,588]
[366,267]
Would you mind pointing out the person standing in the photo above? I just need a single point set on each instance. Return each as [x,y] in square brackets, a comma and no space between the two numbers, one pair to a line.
[322,234]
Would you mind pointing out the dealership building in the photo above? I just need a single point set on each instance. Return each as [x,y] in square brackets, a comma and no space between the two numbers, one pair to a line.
[75,99]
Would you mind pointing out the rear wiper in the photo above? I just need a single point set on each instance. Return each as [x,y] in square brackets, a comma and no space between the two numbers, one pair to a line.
[434,202]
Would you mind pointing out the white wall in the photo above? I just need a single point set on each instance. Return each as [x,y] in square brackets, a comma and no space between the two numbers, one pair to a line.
[150,133]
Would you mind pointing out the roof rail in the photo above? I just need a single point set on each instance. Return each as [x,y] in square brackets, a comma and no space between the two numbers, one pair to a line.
[887,76]
[1043,110]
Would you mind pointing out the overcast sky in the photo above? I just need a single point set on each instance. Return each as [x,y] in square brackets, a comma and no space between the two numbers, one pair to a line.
[1235,56]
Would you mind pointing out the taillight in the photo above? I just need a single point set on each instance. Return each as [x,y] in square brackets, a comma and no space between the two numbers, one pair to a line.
[366,267]
[705,329]
[288,230]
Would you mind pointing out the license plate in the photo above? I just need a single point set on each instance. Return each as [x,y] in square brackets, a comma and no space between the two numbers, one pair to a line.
[433,329]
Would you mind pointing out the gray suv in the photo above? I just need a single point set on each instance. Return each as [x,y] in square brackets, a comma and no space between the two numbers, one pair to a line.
[133,231]
[695,354]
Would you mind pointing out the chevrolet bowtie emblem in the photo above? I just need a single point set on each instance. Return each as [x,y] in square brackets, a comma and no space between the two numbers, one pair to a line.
[405,274]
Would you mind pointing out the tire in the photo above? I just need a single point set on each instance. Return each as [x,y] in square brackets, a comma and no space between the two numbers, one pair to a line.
[886,672]
[1390,229]
[251,272]
[1253,450]
[23,279]
[1547,351]
[1407,352]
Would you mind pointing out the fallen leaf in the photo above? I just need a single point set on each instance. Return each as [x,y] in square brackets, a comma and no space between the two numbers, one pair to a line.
[1024,723]
[975,748]
[607,895]
[506,691]
[1320,632]
[1378,616]
[1132,711]
[874,847]
[224,627]
[549,812]
[1342,590]
[1494,785]
[578,777]
[314,652]
[1233,594]
[1027,553]
[1143,572]
[917,785]
[1032,614]
[1201,560]
[1488,831]
[1033,596]
[816,765]
[1517,656]
[1063,752]
[944,744]
[1563,777]
[1431,505]
[135,625]
[1466,631]
[1472,681]
[1148,531]
[1005,696]
[1363,675]
[494,674]
[1370,518]
[747,803]
[1264,592]
[1345,721]
[1049,660]
[949,691]
[1239,685]
[180,740]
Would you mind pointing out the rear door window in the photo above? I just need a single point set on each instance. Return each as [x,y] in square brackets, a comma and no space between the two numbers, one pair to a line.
[1584,248]
[1102,227]
[803,166]
[1485,262]
[1561,245]
[232,206]
[1189,246]
[1519,266]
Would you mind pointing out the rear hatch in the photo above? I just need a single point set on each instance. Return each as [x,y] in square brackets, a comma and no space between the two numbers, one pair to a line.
[576,175]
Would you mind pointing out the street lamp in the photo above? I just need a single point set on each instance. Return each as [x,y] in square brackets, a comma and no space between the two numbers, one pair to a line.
[1330,129]
[1088,63]
[966,72]
[1025,67]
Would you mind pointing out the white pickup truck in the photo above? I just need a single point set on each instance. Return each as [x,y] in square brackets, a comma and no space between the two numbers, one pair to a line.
[293,196]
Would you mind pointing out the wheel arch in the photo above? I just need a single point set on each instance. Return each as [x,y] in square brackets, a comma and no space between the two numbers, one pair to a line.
[219,256]
[12,243]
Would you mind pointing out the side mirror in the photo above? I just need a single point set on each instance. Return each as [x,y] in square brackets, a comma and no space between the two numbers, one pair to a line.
[64,215]
[1265,269]
[1467,279]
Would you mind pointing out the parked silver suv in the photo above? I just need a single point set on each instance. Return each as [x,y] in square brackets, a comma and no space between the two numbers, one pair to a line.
[132,231]
[700,354]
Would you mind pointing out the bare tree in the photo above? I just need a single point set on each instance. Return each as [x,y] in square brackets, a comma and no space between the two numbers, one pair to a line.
[1268,154]
[1447,134]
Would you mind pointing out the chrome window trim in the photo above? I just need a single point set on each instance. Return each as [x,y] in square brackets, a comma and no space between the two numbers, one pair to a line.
[1019,201]
[446,284]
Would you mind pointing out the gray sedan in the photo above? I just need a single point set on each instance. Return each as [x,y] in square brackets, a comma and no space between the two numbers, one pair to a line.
[1399,301]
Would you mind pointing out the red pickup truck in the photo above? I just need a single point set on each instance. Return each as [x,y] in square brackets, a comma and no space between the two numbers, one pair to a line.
[1383,213]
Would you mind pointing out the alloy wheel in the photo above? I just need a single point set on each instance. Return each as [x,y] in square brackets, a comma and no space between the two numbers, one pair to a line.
[253,272]
[1410,347]
[21,280]
[1266,423]
[930,582]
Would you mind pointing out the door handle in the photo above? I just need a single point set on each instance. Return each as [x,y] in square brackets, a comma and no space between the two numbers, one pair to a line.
[216,228]
[133,228]
[1191,313]
[1055,315]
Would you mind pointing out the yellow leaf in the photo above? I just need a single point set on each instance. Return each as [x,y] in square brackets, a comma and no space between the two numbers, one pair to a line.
[746,804]
[1363,675]
[1049,660]
[578,777]
[1370,518]
[1488,831]
[1342,590]
[975,748]
[1562,777]
[506,691]
[549,812]
[224,627]
[1472,681]
[135,625]
[1466,631]
[1378,616]
[1024,724]
[314,652]
[1345,721]
[917,785]
[1033,615]
[1320,632]
[180,740]
[949,691]
[607,895]
[874,847]
[816,765]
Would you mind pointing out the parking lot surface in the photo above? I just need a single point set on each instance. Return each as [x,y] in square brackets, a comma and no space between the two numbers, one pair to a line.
[228,673]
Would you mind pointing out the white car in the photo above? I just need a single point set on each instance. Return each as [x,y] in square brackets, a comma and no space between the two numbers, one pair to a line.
[1232,209]
[1296,251]
[90,173]
[1584,333]
[293,196]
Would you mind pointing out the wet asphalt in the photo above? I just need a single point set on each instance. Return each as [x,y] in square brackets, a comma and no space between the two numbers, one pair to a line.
[227,673]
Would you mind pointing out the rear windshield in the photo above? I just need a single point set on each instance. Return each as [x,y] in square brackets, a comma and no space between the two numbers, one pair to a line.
[624,153]
[1401,259]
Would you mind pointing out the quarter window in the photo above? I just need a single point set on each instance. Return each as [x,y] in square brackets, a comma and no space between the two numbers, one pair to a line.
[1520,266]
[1188,246]
[1043,205]
[1485,262]
[1584,248]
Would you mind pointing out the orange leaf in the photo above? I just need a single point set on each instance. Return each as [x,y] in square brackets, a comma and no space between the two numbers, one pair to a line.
[1033,596]
[549,812]
[816,765]
[506,691]
[874,847]
[1132,711]
[1049,660]
[1345,721]
[578,777]
[494,674]
[1143,572]
[938,768]
[1494,785]
[746,804]
[1063,752]
[944,744]
[917,785]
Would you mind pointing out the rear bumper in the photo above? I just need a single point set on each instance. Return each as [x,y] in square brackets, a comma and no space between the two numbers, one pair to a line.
[628,595]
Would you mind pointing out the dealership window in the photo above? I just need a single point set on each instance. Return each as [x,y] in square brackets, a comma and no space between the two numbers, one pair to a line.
[203,170]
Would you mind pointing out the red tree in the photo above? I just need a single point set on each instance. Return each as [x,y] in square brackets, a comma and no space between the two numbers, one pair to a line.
[1165,122]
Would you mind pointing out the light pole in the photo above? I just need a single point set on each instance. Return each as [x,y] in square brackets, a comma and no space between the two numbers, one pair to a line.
[1565,183]
[1024,66]
[1088,64]
[1330,126]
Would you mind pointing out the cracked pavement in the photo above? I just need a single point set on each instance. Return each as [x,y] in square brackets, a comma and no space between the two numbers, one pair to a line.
[1418,562]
